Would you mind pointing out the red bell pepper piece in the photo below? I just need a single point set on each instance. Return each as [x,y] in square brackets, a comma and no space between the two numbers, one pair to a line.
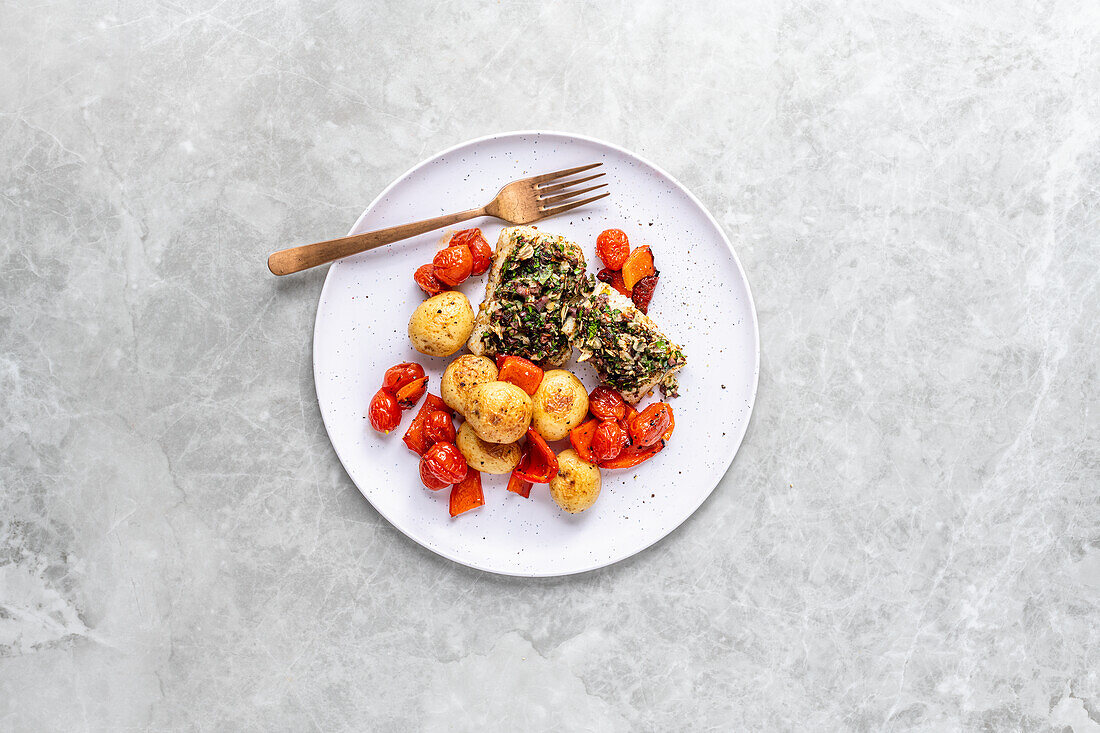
[520,372]
[467,494]
[643,292]
[500,360]
[580,438]
[409,395]
[638,265]
[414,436]
[632,455]
[518,486]
[538,464]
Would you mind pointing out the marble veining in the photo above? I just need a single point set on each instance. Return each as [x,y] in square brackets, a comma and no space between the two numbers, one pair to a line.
[909,538]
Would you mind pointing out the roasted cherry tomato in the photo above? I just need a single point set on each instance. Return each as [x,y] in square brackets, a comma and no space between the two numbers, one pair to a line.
[650,424]
[537,464]
[452,265]
[671,426]
[467,494]
[446,462]
[428,282]
[518,486]
[614,278]
[520,372]
[581,436]
[439,428]
[606,404]
[429,480]
[384,413]
[643,292]
[500,360]
[628,415]
[613,247]
[399,375]
[609,440]
[415,437]
[632,455]
[480,250]
[411,393]
[638,265]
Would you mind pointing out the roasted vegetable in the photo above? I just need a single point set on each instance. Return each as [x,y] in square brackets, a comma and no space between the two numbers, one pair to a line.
[577,483]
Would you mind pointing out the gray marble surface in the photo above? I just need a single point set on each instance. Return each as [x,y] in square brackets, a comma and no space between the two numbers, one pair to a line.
[909,538]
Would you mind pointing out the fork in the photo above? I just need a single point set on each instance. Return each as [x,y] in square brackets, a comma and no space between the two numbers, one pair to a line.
[520,202]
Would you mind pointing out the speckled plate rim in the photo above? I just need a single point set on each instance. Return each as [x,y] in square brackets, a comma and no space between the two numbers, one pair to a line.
[744,281]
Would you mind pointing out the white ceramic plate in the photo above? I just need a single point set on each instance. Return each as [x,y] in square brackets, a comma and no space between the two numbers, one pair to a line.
[702,302]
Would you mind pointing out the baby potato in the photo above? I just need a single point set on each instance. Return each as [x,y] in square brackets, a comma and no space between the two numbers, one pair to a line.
[484,456]
[577,485]
[499,412]
[462,375]
[559,405]
[441,324]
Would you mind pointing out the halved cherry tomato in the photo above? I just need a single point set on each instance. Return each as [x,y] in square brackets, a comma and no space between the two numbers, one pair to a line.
[520,372]
[638,265]
[613,247]
[650,424]
[399,375]
[606,404]
[480,250]
[643,292]
[671,426]
[518,486]
[580,438]
[415,438]
[614,278]
[537,464]
[452,265]
[446,462]
[439,428]
[467,494]
[383,412]
[411,393]
[632,455]
[429,480]
[609,440]
[428,282]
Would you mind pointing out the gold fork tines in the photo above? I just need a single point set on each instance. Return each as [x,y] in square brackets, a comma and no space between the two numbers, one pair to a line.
[520,202]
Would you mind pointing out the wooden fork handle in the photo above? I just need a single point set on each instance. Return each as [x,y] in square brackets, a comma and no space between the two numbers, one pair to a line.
[301,258]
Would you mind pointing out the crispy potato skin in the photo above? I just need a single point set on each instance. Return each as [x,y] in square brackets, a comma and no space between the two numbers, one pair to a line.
[498,412]
[461,376]
[484,456]
[578,483]
[559,405]
[441,324]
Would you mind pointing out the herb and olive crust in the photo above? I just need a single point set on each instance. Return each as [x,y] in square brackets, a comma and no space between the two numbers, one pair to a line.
[531,298]
[627,349]
[539,304]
